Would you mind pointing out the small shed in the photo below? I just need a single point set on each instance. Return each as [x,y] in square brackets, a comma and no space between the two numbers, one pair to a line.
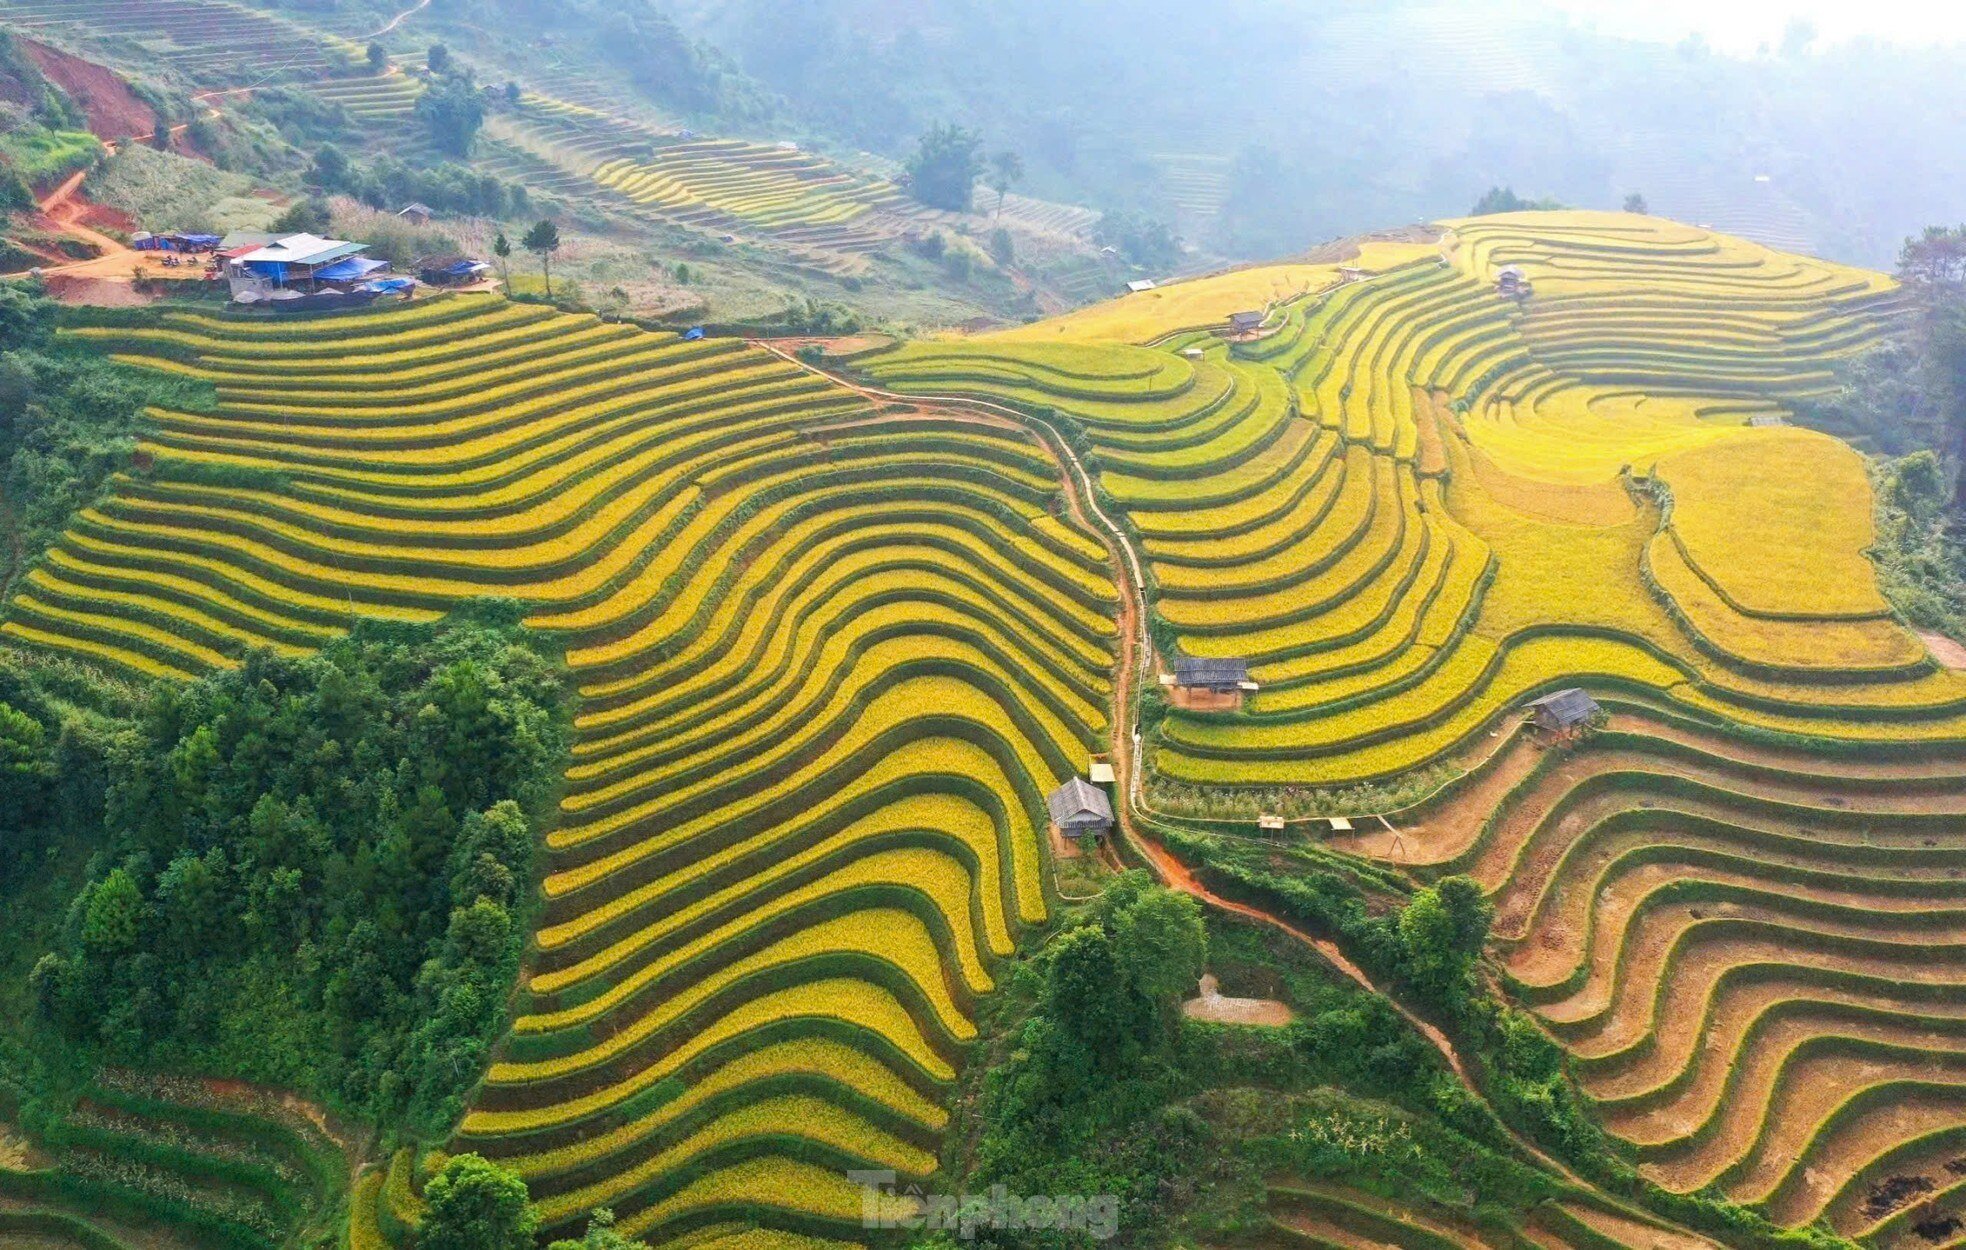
[1245,322]
[1140,284]
[1350,273]
[417,214]
[451,269]
[1196,673]
[1193,353]
[1204,685]
[1766,421]
[1269,824]
[1511,280]
[1339,824]
[1563,710]
[1101,773]
[1080,809]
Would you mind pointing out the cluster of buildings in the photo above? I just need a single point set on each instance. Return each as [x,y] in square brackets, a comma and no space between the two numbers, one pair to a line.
[305,272]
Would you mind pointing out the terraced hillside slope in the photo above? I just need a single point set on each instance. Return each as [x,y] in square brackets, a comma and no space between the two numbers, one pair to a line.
[1412,502]
[829,663]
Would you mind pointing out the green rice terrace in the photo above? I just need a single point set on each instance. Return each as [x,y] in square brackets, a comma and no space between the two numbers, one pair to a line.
[1479,578]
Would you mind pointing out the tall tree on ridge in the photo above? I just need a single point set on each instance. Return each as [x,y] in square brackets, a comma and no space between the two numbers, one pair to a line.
[1006,171]
[542,241]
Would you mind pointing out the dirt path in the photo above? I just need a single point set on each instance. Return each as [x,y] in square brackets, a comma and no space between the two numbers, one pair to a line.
[397,20]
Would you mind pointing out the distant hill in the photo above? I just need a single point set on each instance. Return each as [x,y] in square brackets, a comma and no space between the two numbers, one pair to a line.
[1267,125]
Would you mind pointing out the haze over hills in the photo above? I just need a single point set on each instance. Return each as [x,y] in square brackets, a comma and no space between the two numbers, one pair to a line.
[1353,115]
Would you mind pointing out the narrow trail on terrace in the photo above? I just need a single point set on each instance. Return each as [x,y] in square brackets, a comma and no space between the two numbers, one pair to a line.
[397,20]
[1136,655]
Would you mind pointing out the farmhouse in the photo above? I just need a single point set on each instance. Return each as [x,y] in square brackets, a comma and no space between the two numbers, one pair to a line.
[1242,323]
[1511,281]
[1080,810]
[418,214]
[297,265]
[1208,685]
[1564,710]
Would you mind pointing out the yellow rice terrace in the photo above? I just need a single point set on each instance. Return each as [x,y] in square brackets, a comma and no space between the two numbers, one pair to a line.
[1477,582]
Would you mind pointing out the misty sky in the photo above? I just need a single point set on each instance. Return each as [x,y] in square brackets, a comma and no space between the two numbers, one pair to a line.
[1740,26]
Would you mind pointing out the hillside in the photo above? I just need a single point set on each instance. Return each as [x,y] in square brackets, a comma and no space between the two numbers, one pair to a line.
[835,622]
[714,213]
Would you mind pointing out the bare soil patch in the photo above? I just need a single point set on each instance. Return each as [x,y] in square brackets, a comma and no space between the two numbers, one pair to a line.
[1946,651]
[1213,1005]
[1639,1236]
[113,110]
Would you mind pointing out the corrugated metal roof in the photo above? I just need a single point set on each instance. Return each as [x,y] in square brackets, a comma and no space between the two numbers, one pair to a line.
[1565,707]
[1195,671]
[303,249]
[1078,802]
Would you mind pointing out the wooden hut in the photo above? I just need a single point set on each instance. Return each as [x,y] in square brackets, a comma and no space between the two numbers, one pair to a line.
[1080,810]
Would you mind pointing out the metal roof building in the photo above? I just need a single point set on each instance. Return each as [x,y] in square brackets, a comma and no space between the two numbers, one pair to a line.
[1194,672]
[1565,709]
[1079,808]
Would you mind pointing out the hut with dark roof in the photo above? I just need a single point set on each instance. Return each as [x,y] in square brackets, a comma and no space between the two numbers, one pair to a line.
[1208,685]
[1080,810]
[1563,710]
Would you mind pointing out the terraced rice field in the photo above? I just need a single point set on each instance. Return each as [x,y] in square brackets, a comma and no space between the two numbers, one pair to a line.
[209,42]
[829,663]
[141,1163]
[716,184]
[1418,503]
[1330,1217]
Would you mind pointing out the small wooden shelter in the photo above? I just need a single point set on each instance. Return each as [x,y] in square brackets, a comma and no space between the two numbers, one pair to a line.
[417,214]
[1511,281]
[1208,685]
[1563,710]
[1080,810]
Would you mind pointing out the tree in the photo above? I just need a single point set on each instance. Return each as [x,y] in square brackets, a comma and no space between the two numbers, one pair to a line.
[942,173]
[438,58]
[113,914]
[330,169]
[1505,200]
[474,1204]
[1635,203]
[1006,171]
[600,1236]
[1932,268]
[453,112]
[310,215]
[1163,944]
[542,241]
[27,766]
[502,249]
[378,58]
[1002,250]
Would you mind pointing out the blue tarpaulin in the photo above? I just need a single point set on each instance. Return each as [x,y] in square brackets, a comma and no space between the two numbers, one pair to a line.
[349,269]
[692,334]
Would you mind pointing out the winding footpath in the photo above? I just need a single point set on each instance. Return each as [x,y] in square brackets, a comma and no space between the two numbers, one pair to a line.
[1135,658]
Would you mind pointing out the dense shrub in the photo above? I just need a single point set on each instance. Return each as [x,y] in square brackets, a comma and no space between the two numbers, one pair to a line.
[317,870]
